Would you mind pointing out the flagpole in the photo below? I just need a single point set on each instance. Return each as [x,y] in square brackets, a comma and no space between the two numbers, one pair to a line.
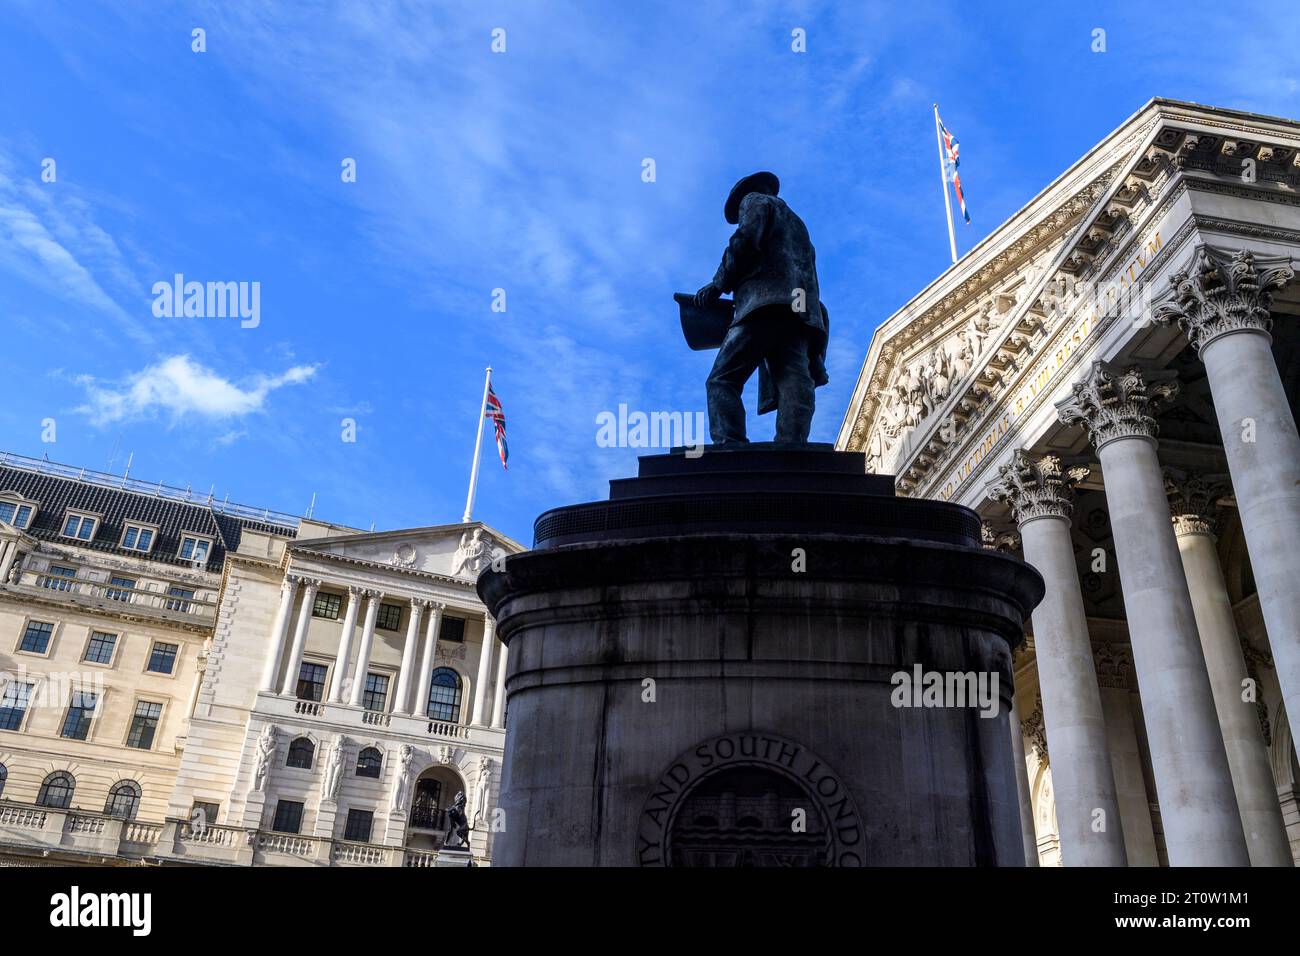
[478,445]
[943,181]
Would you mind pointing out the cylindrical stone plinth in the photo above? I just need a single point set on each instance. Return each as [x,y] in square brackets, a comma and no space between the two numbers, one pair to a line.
[818,685]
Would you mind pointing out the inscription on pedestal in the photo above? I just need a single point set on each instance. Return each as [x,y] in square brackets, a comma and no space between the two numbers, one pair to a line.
[750,798]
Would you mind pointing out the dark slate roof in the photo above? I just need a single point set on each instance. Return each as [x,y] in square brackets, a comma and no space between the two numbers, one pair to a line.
[56,493]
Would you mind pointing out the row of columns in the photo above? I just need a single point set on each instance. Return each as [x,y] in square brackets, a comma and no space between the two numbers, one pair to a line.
[1218,801]
[340,689]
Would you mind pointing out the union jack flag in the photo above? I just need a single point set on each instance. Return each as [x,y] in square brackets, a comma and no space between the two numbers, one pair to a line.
[950,165]
[494,411]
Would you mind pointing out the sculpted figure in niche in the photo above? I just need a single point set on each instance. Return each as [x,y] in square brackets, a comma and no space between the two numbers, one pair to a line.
[403,781]
[266,745]
[334,769]
[482,792]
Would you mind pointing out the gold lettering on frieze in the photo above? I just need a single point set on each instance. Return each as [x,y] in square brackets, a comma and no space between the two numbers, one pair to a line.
[1046,374]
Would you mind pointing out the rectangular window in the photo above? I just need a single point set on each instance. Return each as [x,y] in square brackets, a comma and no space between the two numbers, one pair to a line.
[195,549]
[116,592]
[288,817]
[203,813]
[390,617]
[144,724]
[13,705]
[376,694]
[15,514]
[100,649]
[179,605]
[80,714]
[137,538]
[359,825]
[311,681]
[162,659]
[58,579]
[327,606]
[36,638]
[453,630]
[81,527]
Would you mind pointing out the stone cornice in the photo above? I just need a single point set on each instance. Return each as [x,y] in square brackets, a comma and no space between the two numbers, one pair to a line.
[1036,488]
[1112,402]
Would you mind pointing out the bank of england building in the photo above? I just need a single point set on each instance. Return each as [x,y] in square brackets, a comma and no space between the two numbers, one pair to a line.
[186,680]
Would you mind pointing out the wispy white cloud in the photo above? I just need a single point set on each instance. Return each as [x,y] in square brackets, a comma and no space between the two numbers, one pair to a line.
[49,238]
[179,387]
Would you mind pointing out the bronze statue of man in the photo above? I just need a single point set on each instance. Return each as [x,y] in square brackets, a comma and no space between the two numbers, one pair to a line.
[779,326]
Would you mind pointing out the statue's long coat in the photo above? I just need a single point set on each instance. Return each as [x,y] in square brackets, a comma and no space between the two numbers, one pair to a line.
[768,257]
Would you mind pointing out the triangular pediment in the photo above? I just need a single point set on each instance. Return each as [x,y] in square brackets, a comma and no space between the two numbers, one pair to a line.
[452,551]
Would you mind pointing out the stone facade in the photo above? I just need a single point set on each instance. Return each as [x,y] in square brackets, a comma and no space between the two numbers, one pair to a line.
[1112,375]
[268,748]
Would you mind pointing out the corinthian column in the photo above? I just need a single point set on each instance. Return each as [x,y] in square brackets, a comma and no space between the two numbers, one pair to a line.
[1222,304]
[279,631]
[343,657]
[358,689]
[401,702]
[1197,804]
[1040,496]
[484,671]
[290,686]
[431,626]
[1192,501]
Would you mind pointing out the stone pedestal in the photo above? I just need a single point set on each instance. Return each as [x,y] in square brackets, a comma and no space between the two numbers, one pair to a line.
[717,667]
[453,857]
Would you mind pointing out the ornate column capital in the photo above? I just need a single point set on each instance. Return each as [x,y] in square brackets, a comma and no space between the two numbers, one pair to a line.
[355,590]
[995,540]
[1114,665]
[1193,501]
[1223,292]
[1036,488]
[1033,728]
[1111,402]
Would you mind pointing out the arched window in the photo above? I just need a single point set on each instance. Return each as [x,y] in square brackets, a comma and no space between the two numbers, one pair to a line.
[4,775]
[123,800]
[56,791]
[444,696]
[369,762]
[301,752]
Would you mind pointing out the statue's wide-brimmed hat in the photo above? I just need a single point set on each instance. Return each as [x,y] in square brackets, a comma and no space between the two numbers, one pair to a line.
[754,183]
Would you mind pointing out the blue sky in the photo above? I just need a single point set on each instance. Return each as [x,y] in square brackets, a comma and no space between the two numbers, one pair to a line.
[519,170]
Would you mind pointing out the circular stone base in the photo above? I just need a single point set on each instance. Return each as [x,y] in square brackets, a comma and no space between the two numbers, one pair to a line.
[683,695]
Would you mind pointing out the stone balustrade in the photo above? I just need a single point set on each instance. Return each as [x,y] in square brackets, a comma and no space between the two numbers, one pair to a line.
[113,599]
[346,718]
[101,836]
